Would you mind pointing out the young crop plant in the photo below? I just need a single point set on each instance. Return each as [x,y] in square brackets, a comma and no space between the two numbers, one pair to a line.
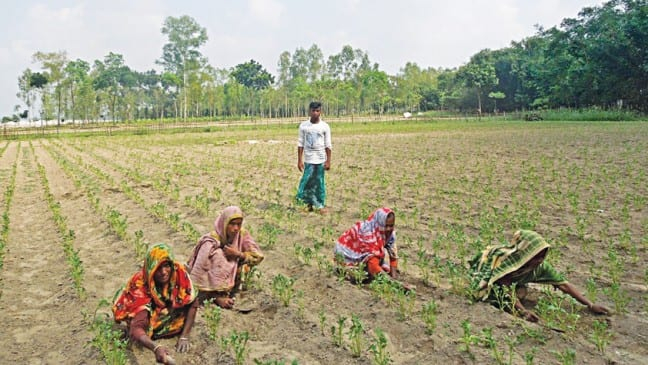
[174,221]
[321,316]
[530,355]
[383,288]
[423,262]
[213,315]
[8,196]
[336,332]
[566,357]
[237,343]
[67,236]
[304,254]
[468,339]
[458,277]
[505,297]
[250,278]
[141,246]
[378,349]
[489,342]
[190,231]
[282,288]
[301,305]
[619,296]
[601,335]
[118,223]
[591,290]
[356,336]
[268,234]
[405,300]
[550,309]
[429,316]
[107,340]
[200,202]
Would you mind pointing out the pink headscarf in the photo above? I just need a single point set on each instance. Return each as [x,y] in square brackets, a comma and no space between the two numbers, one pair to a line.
[210,269]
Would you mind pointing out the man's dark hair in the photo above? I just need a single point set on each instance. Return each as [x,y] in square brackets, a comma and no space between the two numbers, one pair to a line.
[314,105]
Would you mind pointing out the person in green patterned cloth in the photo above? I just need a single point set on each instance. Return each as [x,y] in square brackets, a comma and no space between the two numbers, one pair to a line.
[517,264]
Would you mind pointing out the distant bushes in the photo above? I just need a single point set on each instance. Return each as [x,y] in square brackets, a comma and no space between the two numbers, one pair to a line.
[590,114]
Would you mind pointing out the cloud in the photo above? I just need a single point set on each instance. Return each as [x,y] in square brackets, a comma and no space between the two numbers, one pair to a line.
[266,11]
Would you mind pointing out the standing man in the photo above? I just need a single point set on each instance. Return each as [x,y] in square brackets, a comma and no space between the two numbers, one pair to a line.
[313,157]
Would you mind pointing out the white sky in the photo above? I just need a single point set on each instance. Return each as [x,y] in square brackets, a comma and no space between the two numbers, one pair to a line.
[430,33]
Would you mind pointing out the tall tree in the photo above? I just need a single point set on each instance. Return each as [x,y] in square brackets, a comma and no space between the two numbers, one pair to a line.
[255,78]
[181,55]
[479,73]
[113,76]
[54,63]
[252,75]
[75,74]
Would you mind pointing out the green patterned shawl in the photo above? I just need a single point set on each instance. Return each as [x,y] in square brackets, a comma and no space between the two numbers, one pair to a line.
[495,262]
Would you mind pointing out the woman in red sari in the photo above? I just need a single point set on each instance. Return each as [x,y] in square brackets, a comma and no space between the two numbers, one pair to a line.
[370,243]
[157,302]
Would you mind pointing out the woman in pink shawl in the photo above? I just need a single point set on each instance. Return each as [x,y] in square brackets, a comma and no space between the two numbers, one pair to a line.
[220,257]
[369,242]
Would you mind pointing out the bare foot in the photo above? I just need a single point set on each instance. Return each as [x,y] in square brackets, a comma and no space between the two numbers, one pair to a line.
[323,211]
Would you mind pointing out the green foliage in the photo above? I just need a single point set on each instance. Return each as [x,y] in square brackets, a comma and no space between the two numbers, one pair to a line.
[590,114]
[282,288]
[429,316]
[601,335]
[237,343]
[268,234]
[321,315]
[212,315]
[566,357]
[558,311]
[378,349]
[107,340]
[468,339]
[252,75]
[336,332]
[356,336]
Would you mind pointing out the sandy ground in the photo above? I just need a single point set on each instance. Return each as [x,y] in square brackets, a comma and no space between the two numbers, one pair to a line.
[583,187]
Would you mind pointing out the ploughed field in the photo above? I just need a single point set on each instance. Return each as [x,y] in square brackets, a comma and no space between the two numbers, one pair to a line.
[78,213]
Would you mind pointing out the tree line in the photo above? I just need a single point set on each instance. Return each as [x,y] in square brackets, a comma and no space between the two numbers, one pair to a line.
[598,59]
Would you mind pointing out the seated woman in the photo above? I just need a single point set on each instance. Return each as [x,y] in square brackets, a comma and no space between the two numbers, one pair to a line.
[157,302]
[221,256]
[368,243]
[519,263]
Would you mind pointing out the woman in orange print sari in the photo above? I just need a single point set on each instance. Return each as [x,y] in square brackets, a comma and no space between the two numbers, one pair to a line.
[157,302]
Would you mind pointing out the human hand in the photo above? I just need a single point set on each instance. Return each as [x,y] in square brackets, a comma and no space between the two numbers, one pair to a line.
[300,166]
[182,345]
[231,253]
[224,302]
[530,316]
[598,309]
[161,354]
[327,165]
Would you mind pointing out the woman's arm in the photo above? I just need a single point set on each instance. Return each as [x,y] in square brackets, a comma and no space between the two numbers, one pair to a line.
[183,342]
[137,332]
[567,288]
[527,314]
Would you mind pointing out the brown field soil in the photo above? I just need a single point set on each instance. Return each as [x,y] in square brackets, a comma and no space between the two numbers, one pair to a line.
[454,186]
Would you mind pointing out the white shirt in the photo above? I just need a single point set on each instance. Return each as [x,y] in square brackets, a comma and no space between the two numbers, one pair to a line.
[314,138]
